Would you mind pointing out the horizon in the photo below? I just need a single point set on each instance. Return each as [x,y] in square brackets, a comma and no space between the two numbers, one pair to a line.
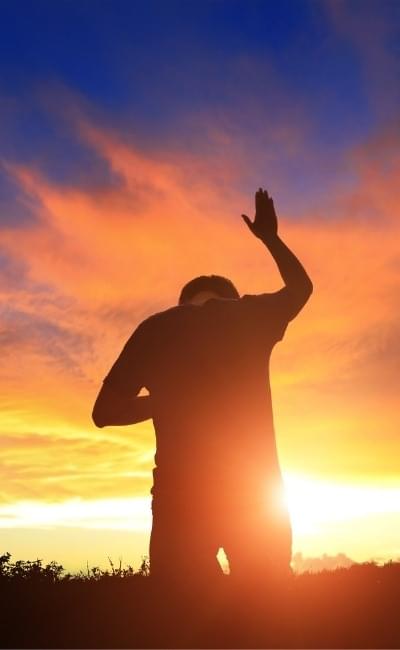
[105,528]
[124,169]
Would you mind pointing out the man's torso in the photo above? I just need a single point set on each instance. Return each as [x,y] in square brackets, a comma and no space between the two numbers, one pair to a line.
[208,377]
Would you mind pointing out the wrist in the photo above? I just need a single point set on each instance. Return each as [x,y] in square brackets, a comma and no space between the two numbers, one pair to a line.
[270,240]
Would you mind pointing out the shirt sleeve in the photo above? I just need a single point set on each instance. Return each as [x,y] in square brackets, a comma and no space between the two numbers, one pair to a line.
[128,374]
[271,312]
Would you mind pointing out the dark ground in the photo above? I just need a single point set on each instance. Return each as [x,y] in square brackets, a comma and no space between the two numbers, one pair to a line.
[358,607]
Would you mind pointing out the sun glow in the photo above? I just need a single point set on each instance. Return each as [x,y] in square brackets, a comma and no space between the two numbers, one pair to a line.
[112,514]
[361,520]
[314,504]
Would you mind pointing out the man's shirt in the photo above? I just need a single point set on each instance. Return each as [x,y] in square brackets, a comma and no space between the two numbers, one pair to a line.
[207,370]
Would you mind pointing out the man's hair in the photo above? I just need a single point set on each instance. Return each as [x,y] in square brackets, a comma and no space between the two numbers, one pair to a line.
[215,283]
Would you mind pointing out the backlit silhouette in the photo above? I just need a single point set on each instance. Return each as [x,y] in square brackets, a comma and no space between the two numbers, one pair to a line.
[205,363]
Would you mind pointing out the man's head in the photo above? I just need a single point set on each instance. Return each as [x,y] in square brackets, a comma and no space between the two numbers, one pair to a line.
[204,287]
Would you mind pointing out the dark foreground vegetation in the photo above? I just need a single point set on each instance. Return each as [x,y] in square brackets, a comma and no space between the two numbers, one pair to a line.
[41,606]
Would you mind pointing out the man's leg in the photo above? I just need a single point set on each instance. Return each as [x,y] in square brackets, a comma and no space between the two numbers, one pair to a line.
[258,543]
[183,545]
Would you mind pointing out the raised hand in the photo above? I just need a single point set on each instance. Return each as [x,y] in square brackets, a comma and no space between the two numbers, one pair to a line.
[265,224]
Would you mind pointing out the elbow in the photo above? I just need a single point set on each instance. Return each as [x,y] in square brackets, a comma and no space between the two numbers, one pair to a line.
[98,421]
[309,287]
[302,294]
[303,290]
[306,292]
[305,287]
[99,418]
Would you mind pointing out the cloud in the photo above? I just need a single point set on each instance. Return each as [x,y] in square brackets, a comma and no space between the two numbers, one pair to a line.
[335,380]
[52,467]
[372,30]
[98,259]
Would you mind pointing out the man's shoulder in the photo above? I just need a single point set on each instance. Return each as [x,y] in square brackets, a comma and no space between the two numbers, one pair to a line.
[256,297]
[180,311]
[273,301]
[159,318]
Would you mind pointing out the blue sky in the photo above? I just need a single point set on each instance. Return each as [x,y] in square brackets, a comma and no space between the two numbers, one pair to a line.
[161,72]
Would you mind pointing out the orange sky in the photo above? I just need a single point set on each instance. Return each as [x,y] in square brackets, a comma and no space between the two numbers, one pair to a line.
[97,260]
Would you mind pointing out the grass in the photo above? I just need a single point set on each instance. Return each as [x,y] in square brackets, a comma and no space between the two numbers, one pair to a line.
[43,606]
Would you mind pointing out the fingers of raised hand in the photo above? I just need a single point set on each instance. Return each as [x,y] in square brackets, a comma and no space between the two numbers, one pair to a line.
[262,194]
[247,220]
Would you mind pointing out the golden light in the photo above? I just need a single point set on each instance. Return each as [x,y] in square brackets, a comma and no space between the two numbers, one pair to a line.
[315,504]
[327,517]
[111,514]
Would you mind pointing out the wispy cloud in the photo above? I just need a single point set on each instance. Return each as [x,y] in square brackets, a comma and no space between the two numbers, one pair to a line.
[97,259]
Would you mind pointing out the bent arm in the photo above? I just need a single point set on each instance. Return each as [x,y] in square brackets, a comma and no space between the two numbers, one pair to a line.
[297,282]
[112,409]
[298,286]
[118,402]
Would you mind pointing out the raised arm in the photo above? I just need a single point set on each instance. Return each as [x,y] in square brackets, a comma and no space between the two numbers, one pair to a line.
[298,286]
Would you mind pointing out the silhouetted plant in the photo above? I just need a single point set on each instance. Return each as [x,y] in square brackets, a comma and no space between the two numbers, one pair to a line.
[344,608]
[29,569]
[144,567]
[34,570]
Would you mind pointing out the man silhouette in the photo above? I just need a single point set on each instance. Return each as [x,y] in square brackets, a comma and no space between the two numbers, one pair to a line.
[205,362]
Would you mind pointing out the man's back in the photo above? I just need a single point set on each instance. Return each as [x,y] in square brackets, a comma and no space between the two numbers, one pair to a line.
[206,368]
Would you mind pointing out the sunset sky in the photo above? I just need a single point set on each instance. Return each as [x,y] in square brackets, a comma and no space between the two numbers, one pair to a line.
[133,135]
